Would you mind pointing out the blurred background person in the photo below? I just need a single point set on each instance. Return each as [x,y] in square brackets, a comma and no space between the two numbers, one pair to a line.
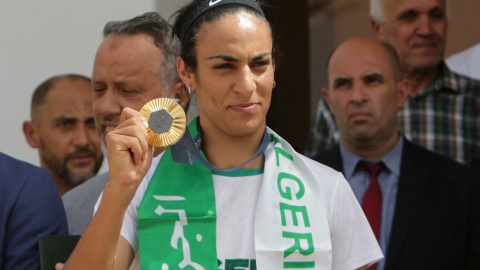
[466,62]
[423,208]
[63,130]
[30,205]
[441,112]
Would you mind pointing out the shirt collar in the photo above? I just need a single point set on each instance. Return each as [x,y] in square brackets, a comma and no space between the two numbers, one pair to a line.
[392,159]
[446,80]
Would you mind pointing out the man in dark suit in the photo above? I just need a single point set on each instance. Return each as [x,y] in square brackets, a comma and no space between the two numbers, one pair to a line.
[424,208]
[30,205]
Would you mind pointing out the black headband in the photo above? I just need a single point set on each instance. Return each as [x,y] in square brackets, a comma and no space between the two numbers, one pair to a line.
[211,4]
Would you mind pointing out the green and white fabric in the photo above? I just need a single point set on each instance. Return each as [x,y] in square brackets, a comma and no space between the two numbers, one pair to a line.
[177,216]
[236,196]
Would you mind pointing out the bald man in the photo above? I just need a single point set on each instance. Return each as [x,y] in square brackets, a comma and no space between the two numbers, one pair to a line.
[63,130]
[423,208]
[442,109]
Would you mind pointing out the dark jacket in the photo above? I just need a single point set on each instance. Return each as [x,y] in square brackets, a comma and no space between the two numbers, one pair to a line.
[436,224]
[30,205]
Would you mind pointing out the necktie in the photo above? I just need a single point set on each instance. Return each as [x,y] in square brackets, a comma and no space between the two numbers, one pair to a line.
[372,199]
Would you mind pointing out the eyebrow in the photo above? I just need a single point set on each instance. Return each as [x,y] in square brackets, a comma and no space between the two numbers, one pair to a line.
[407,11]
[339,80]
[229,58]
[374,76]
[61,119]
[437,9]
[415,11]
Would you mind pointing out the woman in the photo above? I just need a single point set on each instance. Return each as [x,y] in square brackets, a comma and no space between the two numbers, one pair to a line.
[275,210]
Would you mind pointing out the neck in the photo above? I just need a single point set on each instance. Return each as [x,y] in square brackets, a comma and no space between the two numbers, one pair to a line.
[158,151]
[372,150]
[62,185]
[226,152]
[420,79]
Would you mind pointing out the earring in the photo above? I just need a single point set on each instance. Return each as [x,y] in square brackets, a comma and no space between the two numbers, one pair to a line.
[274,84]
[189,90]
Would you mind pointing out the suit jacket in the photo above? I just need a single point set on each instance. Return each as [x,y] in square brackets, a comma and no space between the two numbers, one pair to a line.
[436,224]
[80,202]
[30,205]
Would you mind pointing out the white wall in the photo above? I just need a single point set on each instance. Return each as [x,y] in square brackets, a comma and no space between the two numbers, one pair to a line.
[39,39]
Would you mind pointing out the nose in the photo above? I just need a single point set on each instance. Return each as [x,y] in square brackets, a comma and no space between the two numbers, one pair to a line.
[425,27]
[246,82]
[358,94]
[106,104]
[81,137]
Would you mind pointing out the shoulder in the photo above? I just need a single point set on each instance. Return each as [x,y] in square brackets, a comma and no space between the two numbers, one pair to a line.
[10,166]
[80,202]
[466,85]
[466,62]
[320,169]
[91,188]
[32,192]
[28,177]
[333,184]
[329,179]
[442,167]
[31,206]
[331,158]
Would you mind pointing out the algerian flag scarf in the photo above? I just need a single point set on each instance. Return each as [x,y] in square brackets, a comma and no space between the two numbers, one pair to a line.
[177,216]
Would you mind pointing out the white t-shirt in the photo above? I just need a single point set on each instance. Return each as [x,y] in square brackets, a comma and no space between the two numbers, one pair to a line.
[236,194]
[466,62]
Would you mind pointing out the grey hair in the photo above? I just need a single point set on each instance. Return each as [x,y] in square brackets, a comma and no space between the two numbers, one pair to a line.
[152,24]
[377,10]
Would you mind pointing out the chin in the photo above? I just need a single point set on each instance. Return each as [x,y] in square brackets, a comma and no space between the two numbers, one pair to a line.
[80,178]
[426,63]
[247,128]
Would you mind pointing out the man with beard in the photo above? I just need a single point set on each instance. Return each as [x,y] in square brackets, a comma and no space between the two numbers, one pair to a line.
[63,130]
[442,109]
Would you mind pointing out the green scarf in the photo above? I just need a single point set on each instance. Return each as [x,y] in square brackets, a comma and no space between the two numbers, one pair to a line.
[177,216]
[171,197]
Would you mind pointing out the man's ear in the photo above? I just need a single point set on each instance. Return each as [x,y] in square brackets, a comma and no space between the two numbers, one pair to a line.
[31,134]
[404,89]
[180,92]
[326,96]
[377,29]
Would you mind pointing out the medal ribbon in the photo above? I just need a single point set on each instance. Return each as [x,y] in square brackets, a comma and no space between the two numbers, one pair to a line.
[187,150]
[177,216]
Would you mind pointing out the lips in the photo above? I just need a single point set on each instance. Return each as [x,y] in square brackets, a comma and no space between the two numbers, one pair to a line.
[83,158]
[424,44]
[245,108]
[360,115]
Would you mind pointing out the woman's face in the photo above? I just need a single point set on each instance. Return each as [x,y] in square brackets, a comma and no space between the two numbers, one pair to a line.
[234,77]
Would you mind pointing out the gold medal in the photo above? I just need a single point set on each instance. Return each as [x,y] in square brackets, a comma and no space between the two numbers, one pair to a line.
[166,121]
